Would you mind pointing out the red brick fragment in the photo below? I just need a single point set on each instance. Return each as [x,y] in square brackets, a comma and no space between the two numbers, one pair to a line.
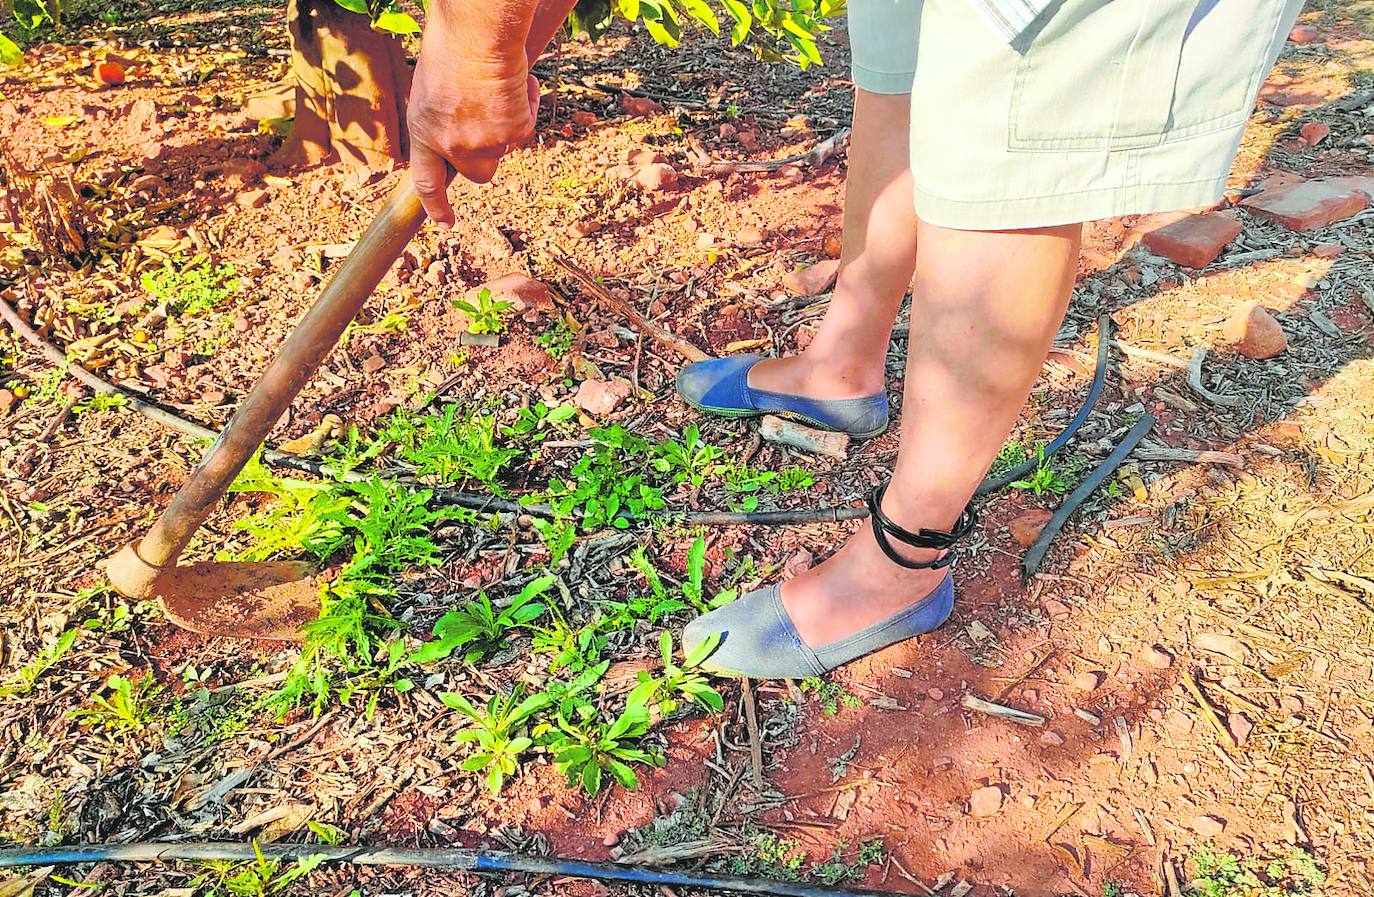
[1195,241]
[1309,205]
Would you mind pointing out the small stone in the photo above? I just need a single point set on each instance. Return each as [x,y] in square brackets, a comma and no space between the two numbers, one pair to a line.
[601,396]
[7,401]
[749,236]
[656,178]
[373,363]
[1308,205]
[435,272]
[1282,96]
[110,73]
[284,260]
[812,280]
[1053,739]
[1328,250]
[1088,681]
[1253,332]
[582,229]
[252,199]
[490,241]
[278,101]
[1195,241]
[798,563]
[1304,34]
[524,292]
[1055,608]
[637,107]
[1157,657]
[246,170]
[791,174]
[157,375]
[1207,826]
[611,840]
[1314,132]
[645,156]
[986,802]
[1025,528]
[748,139]
[1226,645]
[583,118]
[935,694]
[1240,727]
[834,245]
[148,183]
[241,324]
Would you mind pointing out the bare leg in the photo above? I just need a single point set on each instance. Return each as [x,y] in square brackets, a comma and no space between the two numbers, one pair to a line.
[847,357]
[986,307]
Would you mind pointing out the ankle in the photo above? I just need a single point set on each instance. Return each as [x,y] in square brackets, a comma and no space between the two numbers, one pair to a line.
[846,371]
[909,538]
[915,510]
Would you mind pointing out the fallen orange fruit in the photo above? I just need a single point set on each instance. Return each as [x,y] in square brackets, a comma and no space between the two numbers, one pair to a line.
[109,73]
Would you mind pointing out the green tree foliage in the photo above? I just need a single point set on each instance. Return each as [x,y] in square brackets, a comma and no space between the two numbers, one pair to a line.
[386,15]
[774,29]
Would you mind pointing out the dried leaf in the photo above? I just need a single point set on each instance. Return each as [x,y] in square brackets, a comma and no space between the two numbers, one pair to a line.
[23,885]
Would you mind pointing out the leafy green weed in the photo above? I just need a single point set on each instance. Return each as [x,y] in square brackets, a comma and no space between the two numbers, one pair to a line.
[499,731]
[488,315]
[191,289]
[479,629]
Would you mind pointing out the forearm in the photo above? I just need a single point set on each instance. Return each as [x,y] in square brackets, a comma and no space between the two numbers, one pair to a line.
[548,18]
[489,36]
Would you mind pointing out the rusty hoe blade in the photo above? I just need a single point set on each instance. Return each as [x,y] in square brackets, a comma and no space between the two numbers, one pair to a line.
[273,599]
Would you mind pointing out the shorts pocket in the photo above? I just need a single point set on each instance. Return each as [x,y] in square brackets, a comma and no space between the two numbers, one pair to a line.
[1105,74]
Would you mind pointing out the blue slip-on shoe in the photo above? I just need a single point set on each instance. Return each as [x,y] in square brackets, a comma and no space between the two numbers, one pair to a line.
[758,639]
[721,386]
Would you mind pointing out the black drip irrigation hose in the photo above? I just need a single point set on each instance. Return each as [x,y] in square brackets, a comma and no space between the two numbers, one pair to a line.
[1036,553]
[476,501]
[444,495]
[461,860]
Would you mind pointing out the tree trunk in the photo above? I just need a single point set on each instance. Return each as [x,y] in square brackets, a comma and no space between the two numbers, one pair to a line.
[351,84]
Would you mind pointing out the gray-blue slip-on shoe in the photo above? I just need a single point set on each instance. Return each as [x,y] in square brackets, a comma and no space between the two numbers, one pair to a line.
[758,640]
[721,386]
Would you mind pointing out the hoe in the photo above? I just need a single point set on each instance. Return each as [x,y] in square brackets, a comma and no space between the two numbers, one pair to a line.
[268,600]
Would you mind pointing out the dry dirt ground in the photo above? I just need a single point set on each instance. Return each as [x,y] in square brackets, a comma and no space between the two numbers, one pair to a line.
[1199,640]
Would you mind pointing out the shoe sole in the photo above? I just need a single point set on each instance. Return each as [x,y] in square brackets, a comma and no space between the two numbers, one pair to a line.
[740,413]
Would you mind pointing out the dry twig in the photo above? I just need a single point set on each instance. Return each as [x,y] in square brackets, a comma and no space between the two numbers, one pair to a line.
[641,323]
[751,720]
[1195,382]
[1002,711]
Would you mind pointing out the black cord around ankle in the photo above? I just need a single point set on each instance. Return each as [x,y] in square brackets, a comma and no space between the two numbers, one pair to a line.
[884,528]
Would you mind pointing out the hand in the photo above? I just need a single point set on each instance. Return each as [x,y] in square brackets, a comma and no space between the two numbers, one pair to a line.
[464,117]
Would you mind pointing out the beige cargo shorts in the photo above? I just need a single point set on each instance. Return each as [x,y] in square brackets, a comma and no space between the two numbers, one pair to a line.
[1102,108]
